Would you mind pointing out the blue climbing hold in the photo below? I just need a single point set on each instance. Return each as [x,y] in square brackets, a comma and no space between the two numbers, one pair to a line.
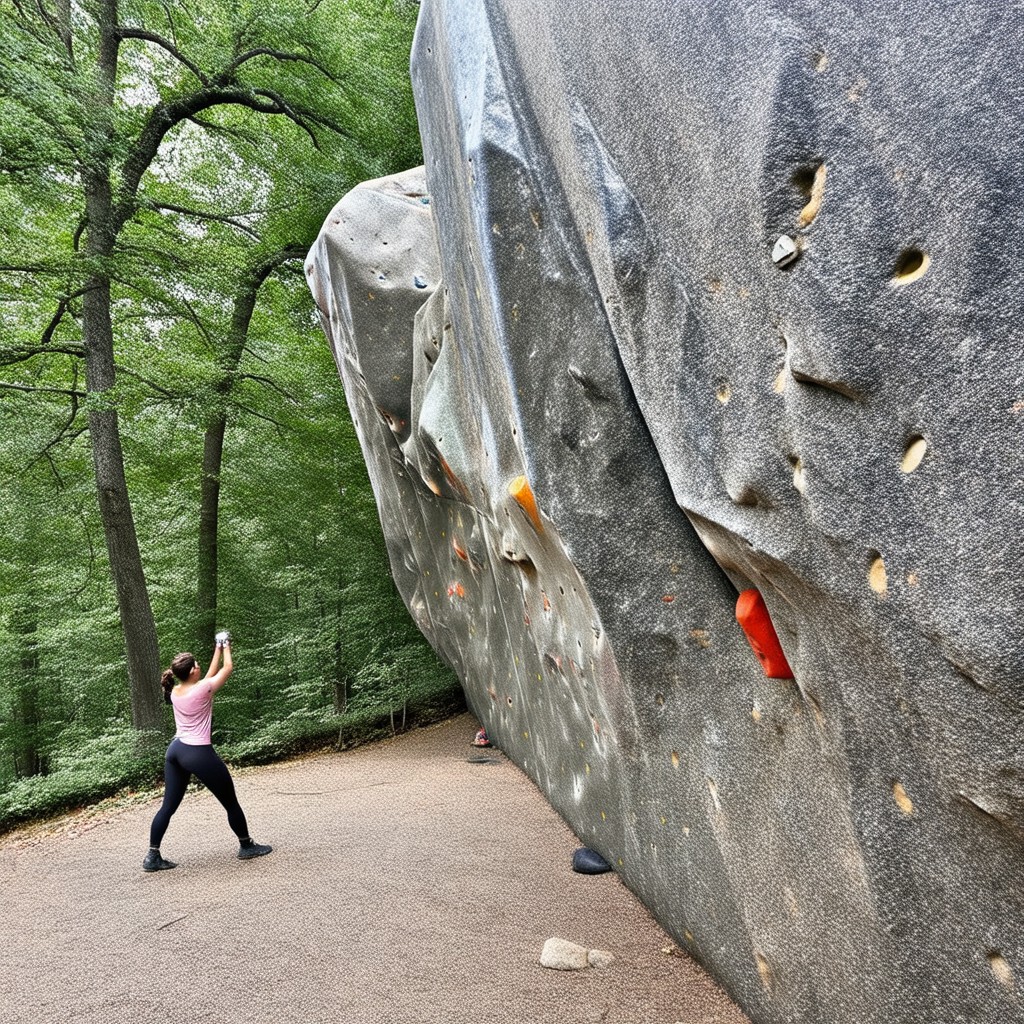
[419,282]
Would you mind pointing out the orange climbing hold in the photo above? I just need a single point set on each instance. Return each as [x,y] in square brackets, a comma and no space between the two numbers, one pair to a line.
[520,490]
[752,615]
[459,549]
[454,482]
[456,590]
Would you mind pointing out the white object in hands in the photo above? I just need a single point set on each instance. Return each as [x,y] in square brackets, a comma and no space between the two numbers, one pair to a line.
[223,638]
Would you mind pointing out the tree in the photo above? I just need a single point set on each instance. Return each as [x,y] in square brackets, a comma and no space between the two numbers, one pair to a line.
[216,426]
[96,104]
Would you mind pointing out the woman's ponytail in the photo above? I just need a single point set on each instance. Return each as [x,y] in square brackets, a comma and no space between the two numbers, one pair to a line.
[167,681]
[181,667]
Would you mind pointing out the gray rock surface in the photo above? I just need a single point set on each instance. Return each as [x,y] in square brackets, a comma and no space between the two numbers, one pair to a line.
[597,403]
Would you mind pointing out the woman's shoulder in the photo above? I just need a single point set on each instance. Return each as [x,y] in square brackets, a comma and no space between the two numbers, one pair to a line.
[185,691]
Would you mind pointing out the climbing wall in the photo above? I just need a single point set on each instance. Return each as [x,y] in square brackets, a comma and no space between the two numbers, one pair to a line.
[690,376]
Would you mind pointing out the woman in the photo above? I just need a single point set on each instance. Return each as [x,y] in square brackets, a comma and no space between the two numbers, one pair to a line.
[191,752]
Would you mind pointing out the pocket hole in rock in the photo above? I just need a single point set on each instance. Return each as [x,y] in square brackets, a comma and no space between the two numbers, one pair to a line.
[911,265]
[877,576]
[811,182]
[1001,970]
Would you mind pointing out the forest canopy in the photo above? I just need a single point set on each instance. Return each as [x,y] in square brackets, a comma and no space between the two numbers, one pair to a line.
[177,455]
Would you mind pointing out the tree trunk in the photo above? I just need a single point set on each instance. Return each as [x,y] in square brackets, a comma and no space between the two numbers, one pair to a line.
[141,648]
[133,604]
[26,746]
[216,428]
[209,512]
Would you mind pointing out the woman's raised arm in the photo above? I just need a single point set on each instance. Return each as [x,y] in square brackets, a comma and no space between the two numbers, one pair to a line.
[217,677]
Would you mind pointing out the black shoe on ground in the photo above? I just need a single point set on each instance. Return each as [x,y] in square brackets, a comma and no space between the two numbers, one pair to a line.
[253,850]
[154,862]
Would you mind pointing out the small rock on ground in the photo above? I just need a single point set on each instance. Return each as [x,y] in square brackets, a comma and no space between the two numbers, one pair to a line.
[563,955]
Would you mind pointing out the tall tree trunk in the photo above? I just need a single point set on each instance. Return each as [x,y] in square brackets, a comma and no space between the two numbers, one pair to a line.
[26,746]
[216,428]
[209,512]
[108,458]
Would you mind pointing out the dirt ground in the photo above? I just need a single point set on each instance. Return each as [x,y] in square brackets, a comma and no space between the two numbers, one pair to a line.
[412,880]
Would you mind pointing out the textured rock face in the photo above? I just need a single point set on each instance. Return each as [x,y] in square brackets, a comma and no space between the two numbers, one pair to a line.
[595,410]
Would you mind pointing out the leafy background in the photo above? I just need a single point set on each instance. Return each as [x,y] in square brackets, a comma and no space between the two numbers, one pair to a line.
[325,650]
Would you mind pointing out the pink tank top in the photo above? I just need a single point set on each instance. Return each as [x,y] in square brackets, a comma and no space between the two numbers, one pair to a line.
[193,714]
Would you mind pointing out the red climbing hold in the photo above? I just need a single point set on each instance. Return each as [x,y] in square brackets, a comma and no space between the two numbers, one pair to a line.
[752,615]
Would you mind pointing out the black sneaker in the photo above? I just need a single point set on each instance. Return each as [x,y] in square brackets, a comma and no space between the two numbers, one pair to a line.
[154,862]
[253,850]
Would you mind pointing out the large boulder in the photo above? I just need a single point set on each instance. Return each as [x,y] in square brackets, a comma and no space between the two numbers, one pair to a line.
[693,300]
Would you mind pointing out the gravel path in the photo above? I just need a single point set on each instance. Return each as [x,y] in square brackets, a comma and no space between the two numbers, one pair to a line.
[407,884]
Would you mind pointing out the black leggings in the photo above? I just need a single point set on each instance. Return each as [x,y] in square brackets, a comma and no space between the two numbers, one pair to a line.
[183,761]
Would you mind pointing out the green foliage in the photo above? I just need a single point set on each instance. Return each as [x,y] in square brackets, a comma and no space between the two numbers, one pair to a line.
[86,767]
[324,647]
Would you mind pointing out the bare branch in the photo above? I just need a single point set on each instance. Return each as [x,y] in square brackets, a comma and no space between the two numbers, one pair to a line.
[255,354]
[20,353]
[203,215]
[47,19]
[161,120]
[79,231]
[228,131]
[197,322]
[92,554]
[260,416]
[228,73]
[64,432]
[288,111]
[62,308]
[48,391]
[166,44]
[161,255]
[149,383]
[270,383]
